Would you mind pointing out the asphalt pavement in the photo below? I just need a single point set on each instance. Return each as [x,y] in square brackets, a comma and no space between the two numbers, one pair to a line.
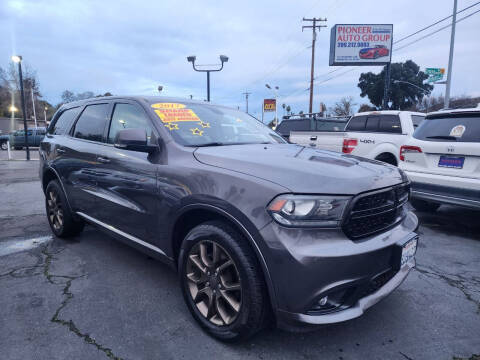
[93,297]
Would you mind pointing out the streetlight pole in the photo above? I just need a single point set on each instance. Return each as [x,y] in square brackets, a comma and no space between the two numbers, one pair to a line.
[45,114]
[223,59]
[34,112]
[18,59]
[12,109]
[275,89]
[450,57]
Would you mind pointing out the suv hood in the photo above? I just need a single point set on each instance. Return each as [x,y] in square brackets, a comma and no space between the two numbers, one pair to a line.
[301,169]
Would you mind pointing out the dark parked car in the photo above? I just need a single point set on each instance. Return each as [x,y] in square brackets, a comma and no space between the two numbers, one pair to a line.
[306,124]
[259,230]
[34,137]
[374,52]
[4,138]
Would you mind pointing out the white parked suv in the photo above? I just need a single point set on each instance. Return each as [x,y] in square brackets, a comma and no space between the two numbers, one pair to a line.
[375,135]
[442,160]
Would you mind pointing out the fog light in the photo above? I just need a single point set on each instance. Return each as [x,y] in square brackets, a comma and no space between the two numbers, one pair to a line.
[323,301]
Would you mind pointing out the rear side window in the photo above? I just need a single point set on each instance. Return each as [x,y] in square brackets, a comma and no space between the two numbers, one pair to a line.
[357,123]
[417,119]
[64,121]
[91,124]
[293,125]
[128,116]
[458,127]
[390,124]
[330,125]
[372,123]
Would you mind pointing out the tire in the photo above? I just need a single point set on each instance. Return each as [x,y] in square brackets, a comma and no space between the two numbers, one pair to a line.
[60,218]
[250,307]
[424,206]
[387,158]
[4,145]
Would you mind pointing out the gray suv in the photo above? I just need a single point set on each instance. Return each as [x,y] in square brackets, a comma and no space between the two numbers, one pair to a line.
[259,230]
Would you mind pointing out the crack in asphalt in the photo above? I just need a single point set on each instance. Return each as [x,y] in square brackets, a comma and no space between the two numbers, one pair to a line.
[405,356]
[473,357]
[456,283]
[69,296]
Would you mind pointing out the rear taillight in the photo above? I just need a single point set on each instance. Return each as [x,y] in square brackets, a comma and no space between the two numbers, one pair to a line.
[349,145]
[408,149]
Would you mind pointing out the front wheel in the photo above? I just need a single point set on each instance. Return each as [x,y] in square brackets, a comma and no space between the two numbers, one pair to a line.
[4,145]
[222,283]
[424,206]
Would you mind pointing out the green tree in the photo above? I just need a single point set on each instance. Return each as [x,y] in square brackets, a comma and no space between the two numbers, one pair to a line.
[402,96]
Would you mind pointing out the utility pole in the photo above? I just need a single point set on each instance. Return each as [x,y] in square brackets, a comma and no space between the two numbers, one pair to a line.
[246,93]
[386,88]
[450,57]
[314,27]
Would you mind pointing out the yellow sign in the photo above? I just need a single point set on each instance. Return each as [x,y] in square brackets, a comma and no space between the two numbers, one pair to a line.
[173,112]
[269,105]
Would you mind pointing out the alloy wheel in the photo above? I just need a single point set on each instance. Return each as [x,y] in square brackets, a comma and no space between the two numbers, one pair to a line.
[214,283]
[55,210]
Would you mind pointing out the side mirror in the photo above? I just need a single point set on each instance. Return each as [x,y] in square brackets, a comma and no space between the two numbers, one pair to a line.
[134,140]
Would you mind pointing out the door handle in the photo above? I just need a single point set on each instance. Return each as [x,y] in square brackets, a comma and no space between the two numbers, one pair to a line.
[313,138]
[103,160]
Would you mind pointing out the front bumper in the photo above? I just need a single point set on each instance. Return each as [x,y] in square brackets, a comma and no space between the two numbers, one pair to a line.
[306,265]
[444,189]
[288,320]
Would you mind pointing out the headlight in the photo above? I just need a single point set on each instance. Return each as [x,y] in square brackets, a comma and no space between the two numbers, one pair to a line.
[308,210]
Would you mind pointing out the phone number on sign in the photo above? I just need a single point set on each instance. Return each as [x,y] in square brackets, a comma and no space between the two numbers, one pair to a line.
[353,44]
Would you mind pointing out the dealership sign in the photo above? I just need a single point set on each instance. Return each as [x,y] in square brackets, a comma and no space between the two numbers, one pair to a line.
[269,105]
[361,44]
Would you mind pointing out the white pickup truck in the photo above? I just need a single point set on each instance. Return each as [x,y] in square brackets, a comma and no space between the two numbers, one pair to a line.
[375,135]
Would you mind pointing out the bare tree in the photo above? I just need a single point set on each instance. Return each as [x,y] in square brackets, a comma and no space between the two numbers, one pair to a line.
[344,107]
[366,107]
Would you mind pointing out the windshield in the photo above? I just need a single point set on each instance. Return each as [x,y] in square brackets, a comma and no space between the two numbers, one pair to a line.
[450,127]
[203,125]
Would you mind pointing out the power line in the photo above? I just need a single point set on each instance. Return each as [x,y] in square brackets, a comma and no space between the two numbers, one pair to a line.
[438,30]
[411,43]
[435,23]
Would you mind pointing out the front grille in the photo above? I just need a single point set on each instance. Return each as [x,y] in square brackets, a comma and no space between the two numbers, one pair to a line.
[375,212]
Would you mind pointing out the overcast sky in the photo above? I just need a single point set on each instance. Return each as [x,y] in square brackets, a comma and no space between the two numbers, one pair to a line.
[131,47]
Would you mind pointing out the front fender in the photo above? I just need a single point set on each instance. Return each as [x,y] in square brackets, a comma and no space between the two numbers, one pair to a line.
[242,224]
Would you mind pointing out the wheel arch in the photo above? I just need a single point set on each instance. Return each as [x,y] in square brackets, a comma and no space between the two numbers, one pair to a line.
[194,214]
[388,157]
[50,174]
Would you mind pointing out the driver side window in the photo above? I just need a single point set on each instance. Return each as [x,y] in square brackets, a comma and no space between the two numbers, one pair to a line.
[128,116]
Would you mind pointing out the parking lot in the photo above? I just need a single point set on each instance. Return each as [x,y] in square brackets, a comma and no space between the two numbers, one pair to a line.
[93,297]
